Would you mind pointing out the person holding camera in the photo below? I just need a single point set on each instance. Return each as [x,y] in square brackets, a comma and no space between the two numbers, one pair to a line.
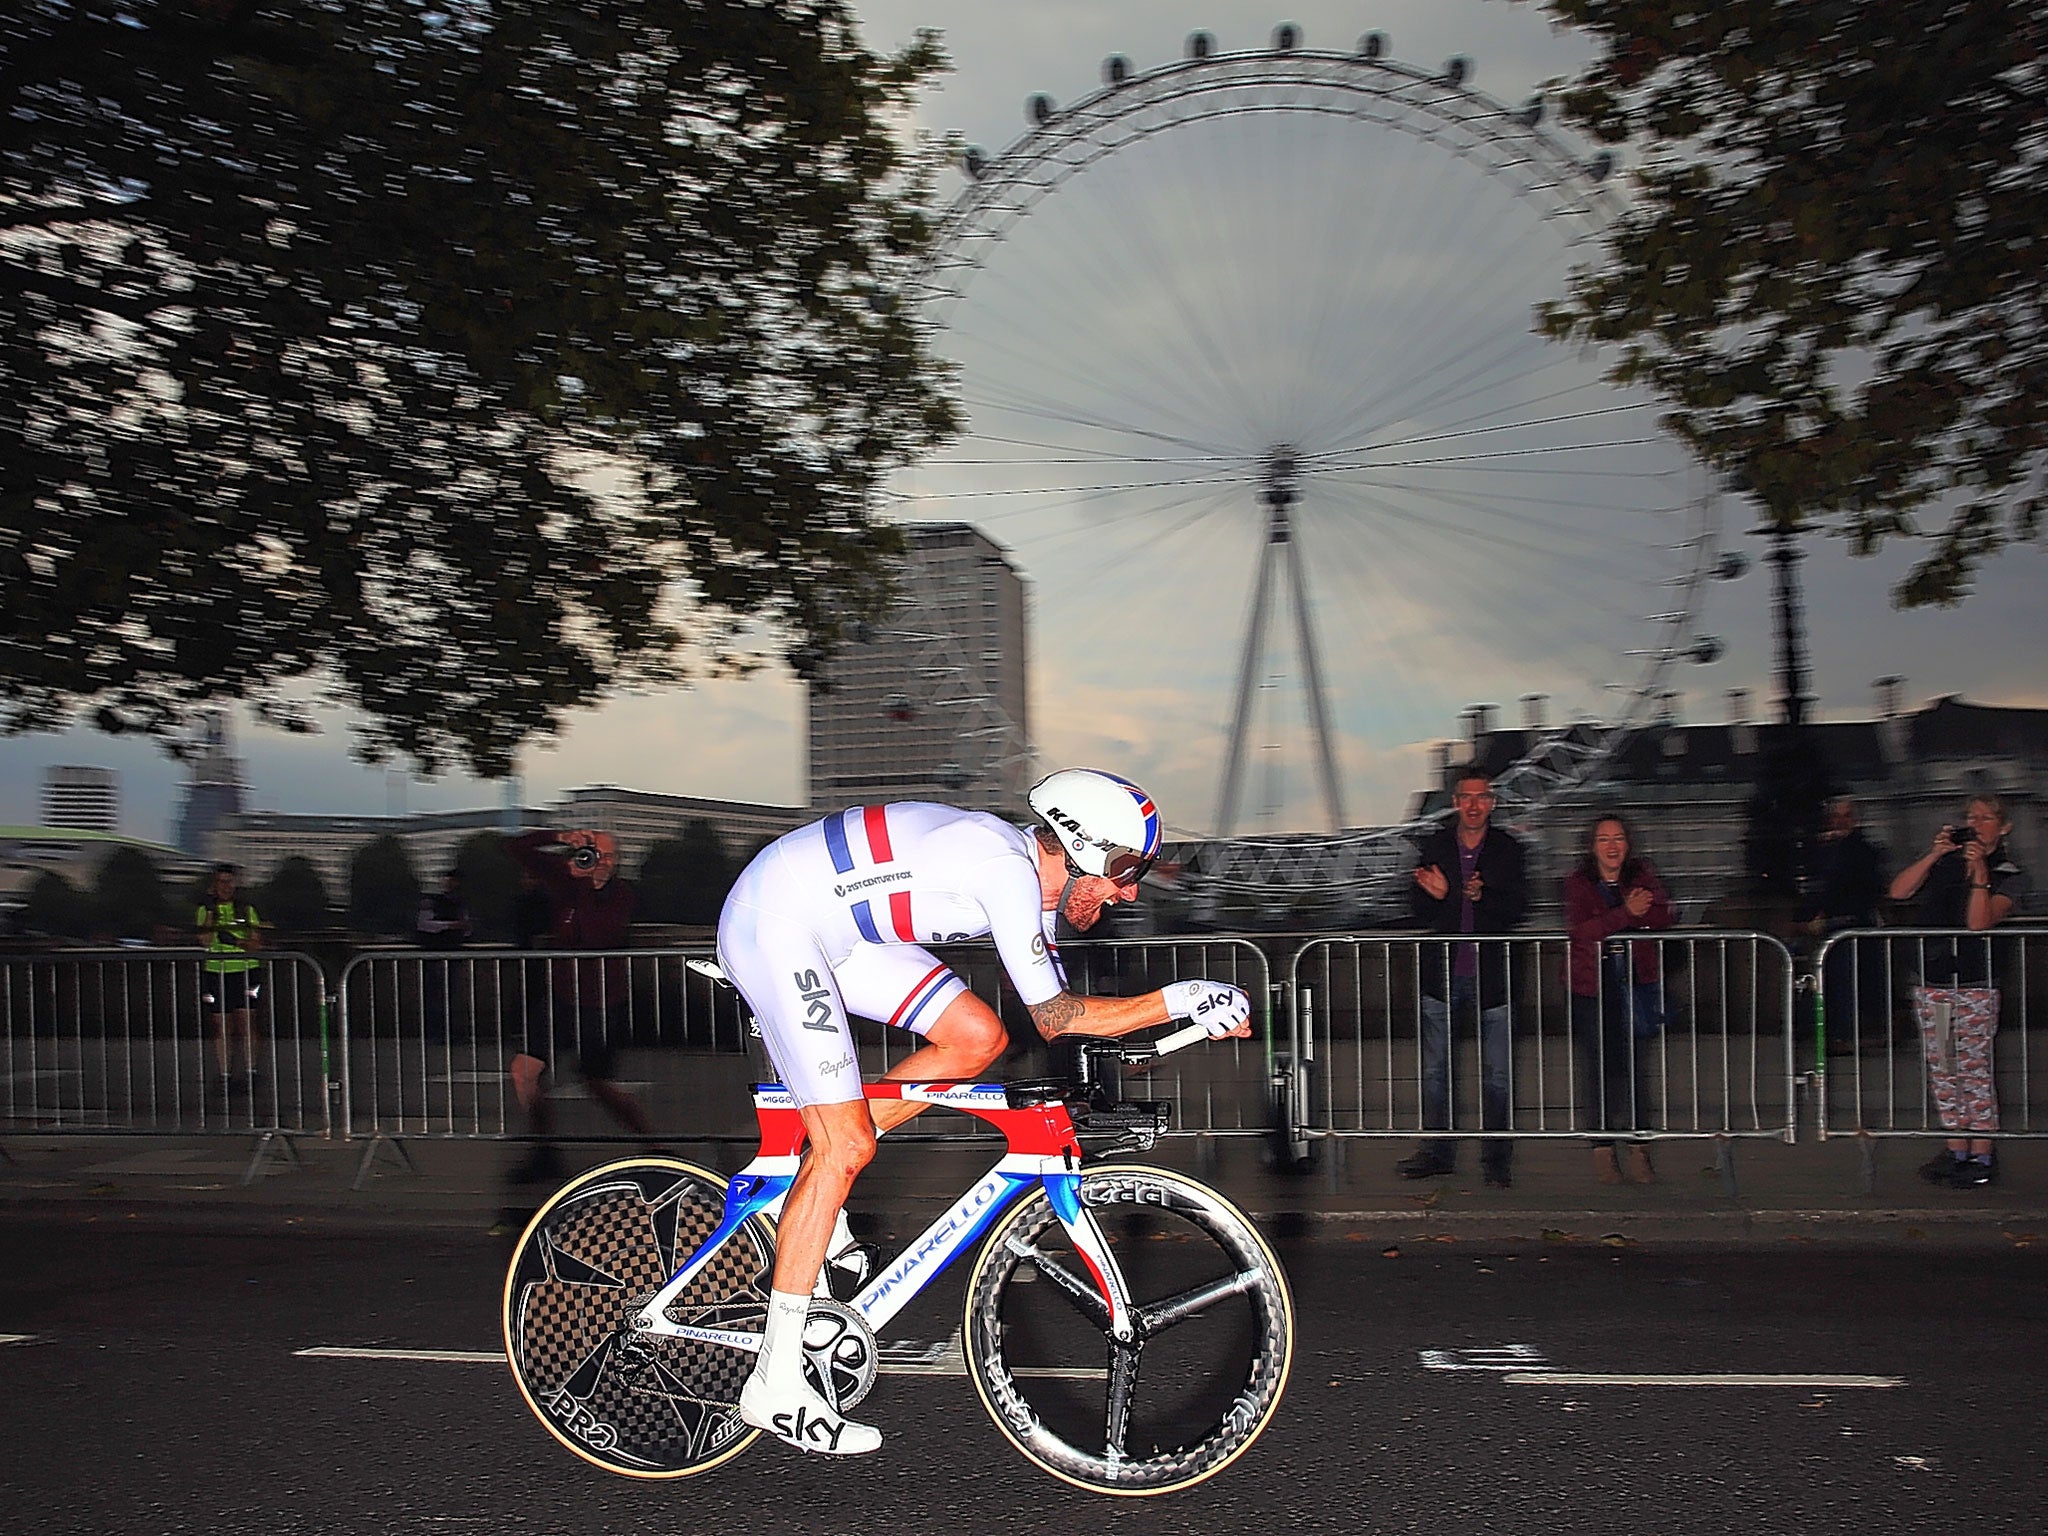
[1966,880]
[588,999]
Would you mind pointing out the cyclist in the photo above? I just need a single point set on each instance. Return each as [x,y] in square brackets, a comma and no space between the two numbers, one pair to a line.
[831,920]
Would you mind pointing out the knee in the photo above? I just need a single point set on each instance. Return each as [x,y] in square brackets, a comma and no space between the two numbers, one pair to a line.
[983,1044]
[845,1153]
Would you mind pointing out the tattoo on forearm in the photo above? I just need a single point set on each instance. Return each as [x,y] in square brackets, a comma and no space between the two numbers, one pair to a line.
[1055,1014]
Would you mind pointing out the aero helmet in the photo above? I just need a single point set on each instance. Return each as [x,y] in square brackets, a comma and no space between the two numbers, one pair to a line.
[1105,825]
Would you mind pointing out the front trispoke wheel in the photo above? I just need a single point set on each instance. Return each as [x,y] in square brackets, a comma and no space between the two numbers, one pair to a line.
[1162,1315]
[1216,1344]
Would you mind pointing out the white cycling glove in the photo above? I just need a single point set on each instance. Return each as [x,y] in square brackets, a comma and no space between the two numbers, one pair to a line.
[1215,1005]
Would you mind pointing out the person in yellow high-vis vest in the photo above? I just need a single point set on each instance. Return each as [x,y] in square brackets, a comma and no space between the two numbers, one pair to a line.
[231,934]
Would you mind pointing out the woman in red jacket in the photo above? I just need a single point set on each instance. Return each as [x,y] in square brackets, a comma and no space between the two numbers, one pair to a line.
[1615,987]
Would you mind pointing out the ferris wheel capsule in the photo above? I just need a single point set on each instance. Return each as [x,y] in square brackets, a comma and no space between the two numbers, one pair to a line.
[1040,109]
[1457,70]
[1286,37]
[1200,45]
[1116,69]
[1373,45]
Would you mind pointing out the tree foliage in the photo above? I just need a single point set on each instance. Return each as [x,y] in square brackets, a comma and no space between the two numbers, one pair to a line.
[460,363]
[383,889]
[490,881]
[686,879]
[294,899]
[56,907]
[1832,267]
[128,896]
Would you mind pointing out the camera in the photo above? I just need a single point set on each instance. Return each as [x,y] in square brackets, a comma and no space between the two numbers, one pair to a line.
[585,857]
[1963,835]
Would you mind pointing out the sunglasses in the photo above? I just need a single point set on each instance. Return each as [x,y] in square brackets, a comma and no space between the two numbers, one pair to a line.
[1126,866]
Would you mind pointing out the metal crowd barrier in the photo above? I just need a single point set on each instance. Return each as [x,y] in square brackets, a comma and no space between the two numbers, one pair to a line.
[1720,1065]
[426,1038]
[126,1041]
[1876,1062]
[420,1043]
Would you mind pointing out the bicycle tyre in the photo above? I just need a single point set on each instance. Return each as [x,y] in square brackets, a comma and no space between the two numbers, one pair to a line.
[641,1407]
[1174,1237]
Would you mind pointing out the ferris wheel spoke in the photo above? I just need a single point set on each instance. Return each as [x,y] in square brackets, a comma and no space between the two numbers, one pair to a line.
[1559,537]
[1169,399]
[1341,458]
[1385,513]
[1423,324]
[1102,423]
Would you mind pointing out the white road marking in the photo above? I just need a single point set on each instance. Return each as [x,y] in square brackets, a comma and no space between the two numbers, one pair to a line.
[1502,1357]
[904,1357]
[1702,1379]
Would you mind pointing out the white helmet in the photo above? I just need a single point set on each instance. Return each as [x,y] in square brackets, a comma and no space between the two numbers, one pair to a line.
[1105,825]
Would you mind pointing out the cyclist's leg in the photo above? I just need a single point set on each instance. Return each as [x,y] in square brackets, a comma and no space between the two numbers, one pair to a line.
[907,986]
[780,970]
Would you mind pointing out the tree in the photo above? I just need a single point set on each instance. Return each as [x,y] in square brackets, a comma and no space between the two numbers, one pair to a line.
[383,890]
[128,894]
[469,360]
[490,880]
[686,879]
[56,907]
[1832,268]
[294,898]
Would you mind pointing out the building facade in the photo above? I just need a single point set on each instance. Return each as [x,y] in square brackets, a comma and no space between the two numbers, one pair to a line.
[213,788]
[82,799]
[932,702]
[260,841]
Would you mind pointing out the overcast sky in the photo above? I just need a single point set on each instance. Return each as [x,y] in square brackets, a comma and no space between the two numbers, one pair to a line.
[1228,287]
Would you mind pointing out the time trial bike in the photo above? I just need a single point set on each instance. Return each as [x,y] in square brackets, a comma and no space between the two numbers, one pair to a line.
[635,1301]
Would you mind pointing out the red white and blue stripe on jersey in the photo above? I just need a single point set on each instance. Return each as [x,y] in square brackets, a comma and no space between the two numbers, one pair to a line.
[862,835]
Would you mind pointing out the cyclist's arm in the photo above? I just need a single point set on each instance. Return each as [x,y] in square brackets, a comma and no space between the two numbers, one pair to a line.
[1068,1013]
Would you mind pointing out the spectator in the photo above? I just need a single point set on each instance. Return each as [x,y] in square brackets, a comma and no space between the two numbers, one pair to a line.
[230,932]
[1615,986]
[1468,879]
[1967,879]
[533,921]
[442,924]
[1847,886]
[588,999]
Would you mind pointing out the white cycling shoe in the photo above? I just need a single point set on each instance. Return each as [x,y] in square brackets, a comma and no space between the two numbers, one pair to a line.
[805,1420]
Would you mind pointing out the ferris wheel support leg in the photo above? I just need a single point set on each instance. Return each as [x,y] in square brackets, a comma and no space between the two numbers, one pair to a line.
[1318,705]
[1240,715]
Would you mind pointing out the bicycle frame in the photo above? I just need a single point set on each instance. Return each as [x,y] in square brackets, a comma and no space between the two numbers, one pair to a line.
[1041,1150]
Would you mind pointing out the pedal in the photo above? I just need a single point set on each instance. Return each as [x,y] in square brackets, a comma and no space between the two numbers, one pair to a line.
[846,1271]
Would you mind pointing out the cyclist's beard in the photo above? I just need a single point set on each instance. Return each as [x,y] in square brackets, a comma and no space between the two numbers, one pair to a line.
[1081,915]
